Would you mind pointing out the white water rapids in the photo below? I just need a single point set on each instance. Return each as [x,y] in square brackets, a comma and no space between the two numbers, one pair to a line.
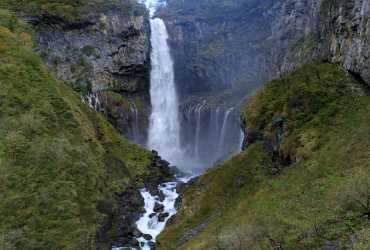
[149,223]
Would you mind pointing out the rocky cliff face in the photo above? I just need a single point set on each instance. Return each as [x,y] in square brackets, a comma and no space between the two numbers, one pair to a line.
[220,45]
[336,31]
[108,51]
[348,35]
[216,47]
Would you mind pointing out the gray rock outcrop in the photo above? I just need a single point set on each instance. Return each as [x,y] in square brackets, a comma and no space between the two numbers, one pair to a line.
[109,51]
[221,45]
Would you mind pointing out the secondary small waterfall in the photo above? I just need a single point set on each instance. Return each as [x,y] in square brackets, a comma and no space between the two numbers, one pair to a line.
[209,134]
[197,131]
[224,129]
[135,122]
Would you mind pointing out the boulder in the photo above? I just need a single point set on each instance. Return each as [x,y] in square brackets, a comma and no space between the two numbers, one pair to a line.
[158,208]
[162,217]
[147,237]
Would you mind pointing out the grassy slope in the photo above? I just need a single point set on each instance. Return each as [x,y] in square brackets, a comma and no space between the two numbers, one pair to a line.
[56,154]
[69,10]
[320,198]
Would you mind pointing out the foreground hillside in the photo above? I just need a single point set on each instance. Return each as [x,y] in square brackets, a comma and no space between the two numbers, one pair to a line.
[303,181]
[99,46]
[64,171]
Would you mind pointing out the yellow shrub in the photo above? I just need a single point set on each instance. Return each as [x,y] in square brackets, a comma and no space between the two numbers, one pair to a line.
[26,39]
[3,47]
[5,32]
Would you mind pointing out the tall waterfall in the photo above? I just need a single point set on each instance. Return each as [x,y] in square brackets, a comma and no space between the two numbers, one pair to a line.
[206,136]
[164,128]
[165,136]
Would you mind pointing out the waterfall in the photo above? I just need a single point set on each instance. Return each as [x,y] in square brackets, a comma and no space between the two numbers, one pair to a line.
[217,119]
[224,129]
[93,101]
[135,122]
[241,140]
[164,132]
[213,133]
[164,128]
[198,113]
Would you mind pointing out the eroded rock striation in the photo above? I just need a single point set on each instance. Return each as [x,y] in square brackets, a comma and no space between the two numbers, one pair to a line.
[336,31]
[220,45]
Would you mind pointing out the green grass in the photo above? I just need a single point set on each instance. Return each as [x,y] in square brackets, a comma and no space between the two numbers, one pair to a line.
[69,10]
[58,157]
[319,198]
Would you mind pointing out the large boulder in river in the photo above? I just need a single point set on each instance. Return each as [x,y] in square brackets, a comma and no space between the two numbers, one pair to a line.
[158,208]
[162,217]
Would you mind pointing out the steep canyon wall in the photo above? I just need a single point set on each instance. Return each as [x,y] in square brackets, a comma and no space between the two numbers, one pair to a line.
[220,45]
[106,54]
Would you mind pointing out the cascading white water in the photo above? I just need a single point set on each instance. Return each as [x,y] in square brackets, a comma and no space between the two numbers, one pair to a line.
[224,128]
[241,140]
[164,129]
[217,119]
[150,223]
[197,131]
[135,122]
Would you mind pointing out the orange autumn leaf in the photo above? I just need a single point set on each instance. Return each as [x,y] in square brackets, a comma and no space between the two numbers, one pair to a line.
[26,39]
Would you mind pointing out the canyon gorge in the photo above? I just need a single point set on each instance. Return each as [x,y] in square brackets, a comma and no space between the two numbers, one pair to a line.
[237,124]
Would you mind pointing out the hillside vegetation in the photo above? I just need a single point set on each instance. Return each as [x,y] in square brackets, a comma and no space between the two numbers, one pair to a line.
[303,181]
[59,159]
[69,10]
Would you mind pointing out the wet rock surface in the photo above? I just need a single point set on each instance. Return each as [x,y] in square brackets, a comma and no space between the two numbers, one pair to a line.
[158,208]
[119,226]
[160,172]
[162,217]
[110,51]
[128,113]
[147,237]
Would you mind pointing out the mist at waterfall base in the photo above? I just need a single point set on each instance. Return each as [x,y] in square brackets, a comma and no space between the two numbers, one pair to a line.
[209,135]
[191,139]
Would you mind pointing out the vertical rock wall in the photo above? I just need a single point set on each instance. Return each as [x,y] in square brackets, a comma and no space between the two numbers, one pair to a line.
[106,56]
[218,45]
